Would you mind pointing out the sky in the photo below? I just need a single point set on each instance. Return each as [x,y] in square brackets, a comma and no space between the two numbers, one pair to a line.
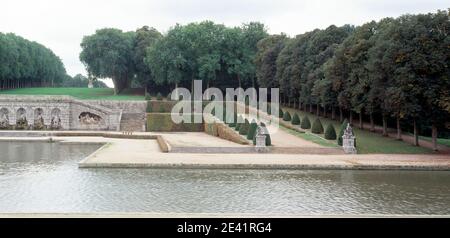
[61,24]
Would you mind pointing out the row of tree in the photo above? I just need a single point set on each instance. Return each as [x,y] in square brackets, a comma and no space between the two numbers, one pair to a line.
[394,68]
[206,51]
[24,63]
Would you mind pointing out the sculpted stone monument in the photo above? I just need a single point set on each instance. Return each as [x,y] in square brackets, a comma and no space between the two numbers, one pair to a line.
[260,139]
[38,120]
[4,120]
[348,140]
[21,122]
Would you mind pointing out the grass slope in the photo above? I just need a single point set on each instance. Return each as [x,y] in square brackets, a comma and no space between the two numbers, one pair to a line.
[80,93]
[366,142]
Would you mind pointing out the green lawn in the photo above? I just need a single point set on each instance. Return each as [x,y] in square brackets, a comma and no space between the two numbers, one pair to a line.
[366,142]
[80,93]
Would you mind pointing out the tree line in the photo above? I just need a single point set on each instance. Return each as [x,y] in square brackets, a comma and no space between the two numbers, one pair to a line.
[395,69]
[24,63]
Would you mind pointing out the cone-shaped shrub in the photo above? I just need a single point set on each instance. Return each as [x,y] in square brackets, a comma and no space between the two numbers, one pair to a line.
[280,113]
[287,116]
[159,97]
[317,127]
[341,132]
[306,124]
[295,119]
[233,123]
[252,130]
[243,130]
[148,97]
[169,97]
[330,132]
[149,107]
[238,123]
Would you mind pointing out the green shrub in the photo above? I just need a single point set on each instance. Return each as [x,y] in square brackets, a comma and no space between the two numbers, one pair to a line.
[280,113]
[317,127]
[149,107]
[287,116]
[233,123]
[295,119]
[306,124]
[159,97]
[341,132]
[243,130]
[252,130]
[239,123]
[169,97]
[330,132]
[148,97]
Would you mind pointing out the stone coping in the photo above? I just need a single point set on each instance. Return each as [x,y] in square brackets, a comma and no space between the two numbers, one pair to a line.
[203,215]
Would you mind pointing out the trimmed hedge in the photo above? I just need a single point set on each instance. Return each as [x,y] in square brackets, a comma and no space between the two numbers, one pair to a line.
[287,116]
[330,132]
[306,124]
[149,107]
[162,122]
[317,127]
[159,97]
[243,130]
[280,113]
[238,123]
[341,131]
[148,97]
[252,130]
[296,119]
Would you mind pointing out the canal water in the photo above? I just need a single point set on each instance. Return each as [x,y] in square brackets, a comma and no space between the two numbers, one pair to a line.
[44,177]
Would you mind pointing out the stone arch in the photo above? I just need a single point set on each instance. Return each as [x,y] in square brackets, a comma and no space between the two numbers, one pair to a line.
[38,119]
[4,118]
[21,118]
[56,118]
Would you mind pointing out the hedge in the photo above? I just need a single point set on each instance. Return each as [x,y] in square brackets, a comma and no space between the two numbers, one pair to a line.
[287,116]
[330,132]
[296,119]
[317,127]
[238,123]
[280,113]
[163,122]
[306,124]
[159,97]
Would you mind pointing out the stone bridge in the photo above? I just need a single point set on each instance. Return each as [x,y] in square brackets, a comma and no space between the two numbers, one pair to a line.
[56,113]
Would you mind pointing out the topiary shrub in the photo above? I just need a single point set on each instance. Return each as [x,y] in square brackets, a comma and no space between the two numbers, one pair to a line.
[148,97]
[280,113]
[169,97]
[306,124]
[341,132]
[252,130]
[317,127]
[287,116]
[330,132]
[233,123]
[159,97]
[238,123]
[295,119]
[243,130]
[149,107]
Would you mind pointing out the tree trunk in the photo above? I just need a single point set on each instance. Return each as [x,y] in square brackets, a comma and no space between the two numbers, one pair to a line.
[416,133]
[318,110]
[340,115]
[372,124]
[360,120]
[239,80]
[434,133]
[385,126]
[310,107]
[325,111]
[333,113]
[350,120]
[399,129]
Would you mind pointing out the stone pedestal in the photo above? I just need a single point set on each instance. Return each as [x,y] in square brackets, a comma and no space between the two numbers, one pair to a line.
[348,141]
[260,141]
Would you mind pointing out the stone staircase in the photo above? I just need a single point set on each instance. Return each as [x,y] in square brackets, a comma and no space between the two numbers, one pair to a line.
[132,122]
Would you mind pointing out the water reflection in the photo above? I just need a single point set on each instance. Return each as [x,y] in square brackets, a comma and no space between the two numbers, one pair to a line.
[43,177]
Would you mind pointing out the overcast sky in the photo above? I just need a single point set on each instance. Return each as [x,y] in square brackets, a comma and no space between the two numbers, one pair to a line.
[61,24]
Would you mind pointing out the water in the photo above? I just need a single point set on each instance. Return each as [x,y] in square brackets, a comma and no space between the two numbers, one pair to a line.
[44,177]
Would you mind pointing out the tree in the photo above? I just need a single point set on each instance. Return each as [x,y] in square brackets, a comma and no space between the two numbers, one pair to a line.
[109,54]
[265,59]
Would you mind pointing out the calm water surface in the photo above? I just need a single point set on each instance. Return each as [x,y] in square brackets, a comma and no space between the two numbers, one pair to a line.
[44,177]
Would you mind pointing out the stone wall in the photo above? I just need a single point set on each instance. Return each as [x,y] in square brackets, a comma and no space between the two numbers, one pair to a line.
[125,106]
[55,112]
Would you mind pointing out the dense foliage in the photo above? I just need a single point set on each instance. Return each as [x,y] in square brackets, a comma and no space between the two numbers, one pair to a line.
[24,63]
